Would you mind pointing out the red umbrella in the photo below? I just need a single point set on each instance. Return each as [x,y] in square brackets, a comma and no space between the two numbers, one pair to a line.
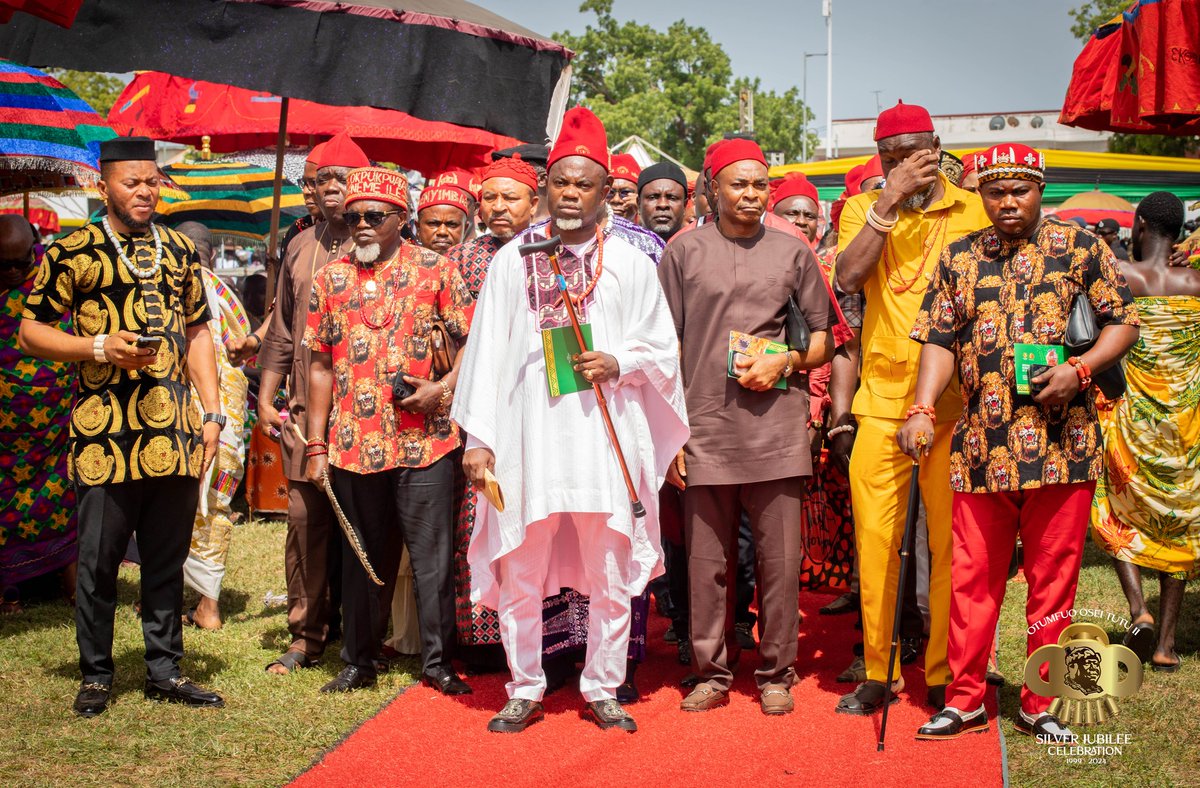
[185,110]
[1138,73]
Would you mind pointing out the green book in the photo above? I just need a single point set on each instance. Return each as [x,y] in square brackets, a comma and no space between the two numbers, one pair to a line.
[1026,356]
[559,345]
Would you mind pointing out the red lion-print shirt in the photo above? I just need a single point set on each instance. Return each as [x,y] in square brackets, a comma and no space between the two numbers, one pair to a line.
[374,333]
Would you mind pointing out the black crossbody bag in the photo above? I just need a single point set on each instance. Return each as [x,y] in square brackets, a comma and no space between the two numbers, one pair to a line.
[1081,335]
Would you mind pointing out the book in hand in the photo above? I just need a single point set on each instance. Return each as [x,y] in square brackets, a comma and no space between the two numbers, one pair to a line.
[1027,355]
[742,346]
[559,345]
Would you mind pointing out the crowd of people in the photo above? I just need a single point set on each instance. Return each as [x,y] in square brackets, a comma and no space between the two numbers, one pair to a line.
[566,390]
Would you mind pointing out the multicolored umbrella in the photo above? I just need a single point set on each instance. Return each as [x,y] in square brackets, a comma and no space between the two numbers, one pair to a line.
[39,214]
[49,137]
[185,110]
[1096,205]
[231,198]
[1138,72]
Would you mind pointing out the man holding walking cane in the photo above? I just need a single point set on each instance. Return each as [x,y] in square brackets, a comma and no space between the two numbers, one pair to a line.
[576,471]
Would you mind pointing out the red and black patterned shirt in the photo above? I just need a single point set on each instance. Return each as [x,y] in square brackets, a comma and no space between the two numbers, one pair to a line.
[376,322]
[989,294]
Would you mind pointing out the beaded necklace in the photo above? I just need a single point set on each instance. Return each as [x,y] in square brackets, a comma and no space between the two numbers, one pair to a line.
[370,287]
[895,278]
[136,270]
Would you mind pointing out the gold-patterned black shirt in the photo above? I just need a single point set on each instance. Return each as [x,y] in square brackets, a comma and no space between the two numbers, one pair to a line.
[127,425]
[988,295]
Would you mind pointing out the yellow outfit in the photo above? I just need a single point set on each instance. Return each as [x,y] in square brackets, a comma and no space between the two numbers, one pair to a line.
[879,473]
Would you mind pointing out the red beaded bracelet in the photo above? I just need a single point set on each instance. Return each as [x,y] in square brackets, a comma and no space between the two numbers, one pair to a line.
[315,453]
[923,409]
[1082,370]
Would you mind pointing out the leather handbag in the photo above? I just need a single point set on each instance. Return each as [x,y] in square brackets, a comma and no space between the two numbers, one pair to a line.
[796,327]
[1081,335]
[444,349]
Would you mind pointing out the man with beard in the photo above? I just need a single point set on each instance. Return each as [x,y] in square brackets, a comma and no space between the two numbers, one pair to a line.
[744,452]
[381,427]
[1037,466]
[442,213]
[137,447]
[890,240]
[796,200]
[623,191]
[311,549]
[531,417]
[662,198]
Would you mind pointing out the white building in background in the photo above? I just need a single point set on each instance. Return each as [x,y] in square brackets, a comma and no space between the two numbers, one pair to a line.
[1037,128]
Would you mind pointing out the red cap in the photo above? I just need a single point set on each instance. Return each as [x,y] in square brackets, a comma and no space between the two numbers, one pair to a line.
[1001,162]
[872,168]
[625,167]
[735,150]
[969,163]
[461,179]
[377,183]
[794,184]
[314,155]
[514,168]
[582,134]
[708,152]
[902,119]
[342,151]
[443,195]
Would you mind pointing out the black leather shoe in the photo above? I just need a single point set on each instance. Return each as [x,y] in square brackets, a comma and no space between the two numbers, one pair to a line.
[92,699]
[1045,727]
[910,650]
[628,691]
[350,679]
[935,696]
[865,700]
[950,724]
[181,690]
[684,651]
[608,713]
[445,681]
[846,603]
[670,636]
[745,636]
[517,715]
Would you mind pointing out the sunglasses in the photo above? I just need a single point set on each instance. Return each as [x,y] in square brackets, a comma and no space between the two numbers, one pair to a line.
[374,218]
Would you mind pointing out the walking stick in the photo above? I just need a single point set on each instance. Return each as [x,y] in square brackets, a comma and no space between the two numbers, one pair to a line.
[906,550]
[347,528]
[551,246]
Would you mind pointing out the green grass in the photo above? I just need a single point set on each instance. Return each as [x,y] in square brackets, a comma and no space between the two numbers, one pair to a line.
[1161,719]
[274,727]
[271,728]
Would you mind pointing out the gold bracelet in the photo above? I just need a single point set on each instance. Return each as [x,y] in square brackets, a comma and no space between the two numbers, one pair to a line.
[446,392]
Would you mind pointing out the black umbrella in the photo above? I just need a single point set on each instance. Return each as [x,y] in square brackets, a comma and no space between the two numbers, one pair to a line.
[446,60]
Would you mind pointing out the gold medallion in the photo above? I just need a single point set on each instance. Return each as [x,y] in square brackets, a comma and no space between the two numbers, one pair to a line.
[158,456]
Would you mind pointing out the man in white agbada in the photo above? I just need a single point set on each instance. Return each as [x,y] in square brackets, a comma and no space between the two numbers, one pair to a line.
[568,521]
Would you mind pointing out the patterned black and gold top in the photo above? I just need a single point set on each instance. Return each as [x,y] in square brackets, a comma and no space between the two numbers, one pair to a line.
[989,294]
[127,426]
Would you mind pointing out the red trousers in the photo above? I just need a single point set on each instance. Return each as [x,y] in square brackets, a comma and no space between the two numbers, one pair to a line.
[1052,522]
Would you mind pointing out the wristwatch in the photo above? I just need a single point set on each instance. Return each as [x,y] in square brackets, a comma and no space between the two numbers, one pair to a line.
[215,418]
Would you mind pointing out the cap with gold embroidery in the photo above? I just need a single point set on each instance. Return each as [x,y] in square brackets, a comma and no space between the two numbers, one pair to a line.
[377,183]
[1017,161]
[582,134]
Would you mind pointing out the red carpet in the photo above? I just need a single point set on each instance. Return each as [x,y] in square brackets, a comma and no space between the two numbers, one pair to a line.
[425,739]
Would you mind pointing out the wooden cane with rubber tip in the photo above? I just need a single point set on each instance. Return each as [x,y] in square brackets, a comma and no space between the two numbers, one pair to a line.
[906,551]
[550,247]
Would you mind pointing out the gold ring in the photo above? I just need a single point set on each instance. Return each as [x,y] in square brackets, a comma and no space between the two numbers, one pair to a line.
[588,374]
[922,440]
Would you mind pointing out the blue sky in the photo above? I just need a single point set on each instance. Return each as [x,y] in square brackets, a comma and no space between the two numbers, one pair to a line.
[953,56]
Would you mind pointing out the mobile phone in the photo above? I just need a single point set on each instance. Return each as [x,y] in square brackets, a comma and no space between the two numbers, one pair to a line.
[154,343]
[401,389]
[1036,370]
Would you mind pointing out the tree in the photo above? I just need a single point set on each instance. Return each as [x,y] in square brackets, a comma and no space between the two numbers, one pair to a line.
[99,90]
[1092,15]
[674,88]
